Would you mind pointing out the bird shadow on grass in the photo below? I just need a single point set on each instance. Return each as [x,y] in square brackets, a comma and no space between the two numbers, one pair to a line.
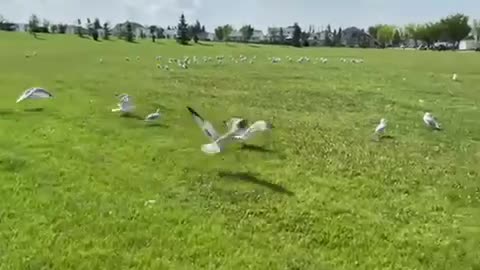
[387,137]
[132,116]
[6,112]
[251,178]
[256,148]
[159,125]
[34,110]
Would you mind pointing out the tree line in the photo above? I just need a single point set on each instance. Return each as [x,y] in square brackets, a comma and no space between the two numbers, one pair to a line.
[452,28]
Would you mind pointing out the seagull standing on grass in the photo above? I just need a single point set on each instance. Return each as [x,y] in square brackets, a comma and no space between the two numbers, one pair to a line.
[454,76]
[380,129]
[431,121]
[153,116]
[218,143]
[35,93]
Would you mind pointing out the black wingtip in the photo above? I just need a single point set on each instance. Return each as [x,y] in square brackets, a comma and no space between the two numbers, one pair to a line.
[193,112]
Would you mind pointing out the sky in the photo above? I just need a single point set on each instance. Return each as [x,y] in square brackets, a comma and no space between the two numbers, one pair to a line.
[260,13]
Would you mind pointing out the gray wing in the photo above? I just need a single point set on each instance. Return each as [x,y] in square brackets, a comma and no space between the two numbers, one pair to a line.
[41,93]
[206,126]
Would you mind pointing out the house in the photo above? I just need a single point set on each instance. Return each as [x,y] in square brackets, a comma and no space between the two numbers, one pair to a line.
[273,33]
[355,37]
[21,27]
[469,44]
[257,36]
[235,36]
[170,33]
[319,38]
[206,36]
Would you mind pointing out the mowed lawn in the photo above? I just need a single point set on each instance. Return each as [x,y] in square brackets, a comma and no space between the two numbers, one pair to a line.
[317,194]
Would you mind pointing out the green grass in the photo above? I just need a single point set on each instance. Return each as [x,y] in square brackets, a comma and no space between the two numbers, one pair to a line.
[75,176]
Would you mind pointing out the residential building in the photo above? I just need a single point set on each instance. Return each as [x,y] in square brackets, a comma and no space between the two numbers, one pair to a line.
[355,37]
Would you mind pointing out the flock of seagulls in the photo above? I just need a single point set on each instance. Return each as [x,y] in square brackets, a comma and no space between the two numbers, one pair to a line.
[238,129]
[186,61]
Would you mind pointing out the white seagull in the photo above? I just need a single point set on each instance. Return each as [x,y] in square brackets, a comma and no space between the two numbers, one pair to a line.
[243,134]
[431,121]
[153,116]
[125,105]
[218,142]
[454,76]
[380,129]
[34,93]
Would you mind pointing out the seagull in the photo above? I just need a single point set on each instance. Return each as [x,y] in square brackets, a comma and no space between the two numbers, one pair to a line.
[125,105]
[153,116]
[218,142]
[252,130]
[34,93]
[380,129]
[431,121]
[454,77]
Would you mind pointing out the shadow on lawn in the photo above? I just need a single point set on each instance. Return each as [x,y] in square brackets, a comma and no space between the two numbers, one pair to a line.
[256,148]
[6,112]
[159,125]
[132,116]
[35,110]
[251,178]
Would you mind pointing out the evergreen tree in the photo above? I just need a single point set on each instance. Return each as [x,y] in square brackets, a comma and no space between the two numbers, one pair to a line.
[107,31]
[182,31]
[297,34]
[129,32]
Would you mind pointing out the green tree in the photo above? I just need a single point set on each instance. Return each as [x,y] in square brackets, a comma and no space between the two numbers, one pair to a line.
[456,27]
[281,36]
[182,31]
[411,32]
[476,30]
[54,28]
[129,32]
[33,23]
[373,30]
[94,29]
[338,40]
[297,34]
[160,32]
[79,28]
[328,33]
[227,31]
[219,32]
[397,39]
[385,34]
[247,32]
[153,32]
[106,31]
[62,28]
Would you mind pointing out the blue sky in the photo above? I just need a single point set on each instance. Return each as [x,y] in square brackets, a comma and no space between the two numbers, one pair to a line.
[260,13]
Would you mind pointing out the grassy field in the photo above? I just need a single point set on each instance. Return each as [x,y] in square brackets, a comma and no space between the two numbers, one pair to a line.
[319,194]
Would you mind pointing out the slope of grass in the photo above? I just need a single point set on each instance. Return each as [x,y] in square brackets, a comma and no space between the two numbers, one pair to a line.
[318,194]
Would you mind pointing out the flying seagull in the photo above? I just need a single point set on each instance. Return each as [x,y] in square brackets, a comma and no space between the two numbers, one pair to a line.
[153,116]
[125,105]
[35,93]
[255,128]
[431,121]
[218,142]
